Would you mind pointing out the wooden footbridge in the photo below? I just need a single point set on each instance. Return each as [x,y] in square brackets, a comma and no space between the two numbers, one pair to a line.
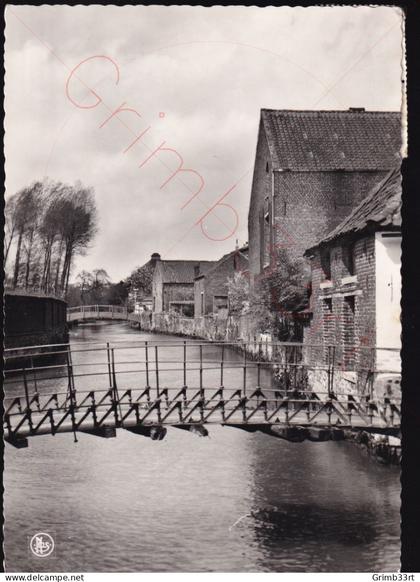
[95,312]
[146,386]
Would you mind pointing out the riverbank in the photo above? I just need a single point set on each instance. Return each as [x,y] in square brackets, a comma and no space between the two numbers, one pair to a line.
[386,450]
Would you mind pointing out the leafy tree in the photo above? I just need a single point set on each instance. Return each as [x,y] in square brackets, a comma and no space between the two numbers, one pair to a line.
[279,294]
[238,293]
[118,293]
[141,279]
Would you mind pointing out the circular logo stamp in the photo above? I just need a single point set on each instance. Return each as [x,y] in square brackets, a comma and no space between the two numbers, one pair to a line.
[41,545]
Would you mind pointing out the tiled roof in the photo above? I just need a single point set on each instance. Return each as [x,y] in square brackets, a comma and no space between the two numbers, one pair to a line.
[243,251]
[381,209]
[182,271]
[332,140]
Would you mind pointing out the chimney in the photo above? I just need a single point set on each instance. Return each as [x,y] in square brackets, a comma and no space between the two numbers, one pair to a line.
[154,259]
[357,109]
[196,270]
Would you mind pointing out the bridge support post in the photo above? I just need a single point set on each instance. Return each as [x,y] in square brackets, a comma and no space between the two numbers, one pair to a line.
[105,432]
[156,433]
[197,429]
[71,391]
[28,404]
[17,442]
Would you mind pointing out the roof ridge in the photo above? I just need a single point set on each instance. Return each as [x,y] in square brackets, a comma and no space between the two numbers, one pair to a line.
[188,260]
[355,111]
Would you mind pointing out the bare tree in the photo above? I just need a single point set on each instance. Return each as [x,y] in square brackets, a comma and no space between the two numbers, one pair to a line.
[10,223]
[79,227]
[84,281]
[27,204]
[53,216]
[94,285]
[49,222]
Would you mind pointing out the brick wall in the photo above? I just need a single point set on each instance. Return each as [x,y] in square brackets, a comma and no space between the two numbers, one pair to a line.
[308,205]
[177,292]
[261,187]
[198,289]
[333,310]
[215,283]
[305,205]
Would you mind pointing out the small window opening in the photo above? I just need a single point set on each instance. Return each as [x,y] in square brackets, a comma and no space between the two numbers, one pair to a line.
[326,263]
[349,259]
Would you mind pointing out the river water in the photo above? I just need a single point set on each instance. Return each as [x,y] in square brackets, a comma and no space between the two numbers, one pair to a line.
[230,502]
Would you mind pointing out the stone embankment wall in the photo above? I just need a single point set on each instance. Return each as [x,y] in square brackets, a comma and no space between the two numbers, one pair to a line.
[34,320]
[241,329]
[212,328]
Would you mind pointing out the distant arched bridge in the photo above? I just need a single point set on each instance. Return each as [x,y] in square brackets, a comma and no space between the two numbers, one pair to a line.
[95,312]
[145,386]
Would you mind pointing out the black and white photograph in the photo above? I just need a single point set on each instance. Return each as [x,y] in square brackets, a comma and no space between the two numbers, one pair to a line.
[202,288]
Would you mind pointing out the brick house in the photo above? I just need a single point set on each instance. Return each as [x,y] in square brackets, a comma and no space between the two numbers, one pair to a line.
[311,169]
[211,287]
[356,287]
[173,285]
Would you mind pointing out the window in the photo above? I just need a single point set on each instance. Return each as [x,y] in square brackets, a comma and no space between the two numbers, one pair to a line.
[265,233]
[220,303]
[266,210]
[267,167]
[326,263]
[202,303]
[349,258]
[349,338]
[328,325]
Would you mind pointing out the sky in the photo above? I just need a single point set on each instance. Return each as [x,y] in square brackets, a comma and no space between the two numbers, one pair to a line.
[189,83]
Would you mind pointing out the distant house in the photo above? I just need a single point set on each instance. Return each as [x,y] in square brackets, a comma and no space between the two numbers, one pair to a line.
[173,285]
[356,284]
[311,169]
[211,286]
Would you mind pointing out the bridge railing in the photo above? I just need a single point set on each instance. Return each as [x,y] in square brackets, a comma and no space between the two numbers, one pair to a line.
[138,385]
[278,368]
[96,311]
[82,308]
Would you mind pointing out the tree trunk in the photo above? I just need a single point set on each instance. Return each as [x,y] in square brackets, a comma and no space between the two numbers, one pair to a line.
[46,270]
[66,267]
[28,259]
[8,245]
[57,271]
[68,275]
[17,260]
